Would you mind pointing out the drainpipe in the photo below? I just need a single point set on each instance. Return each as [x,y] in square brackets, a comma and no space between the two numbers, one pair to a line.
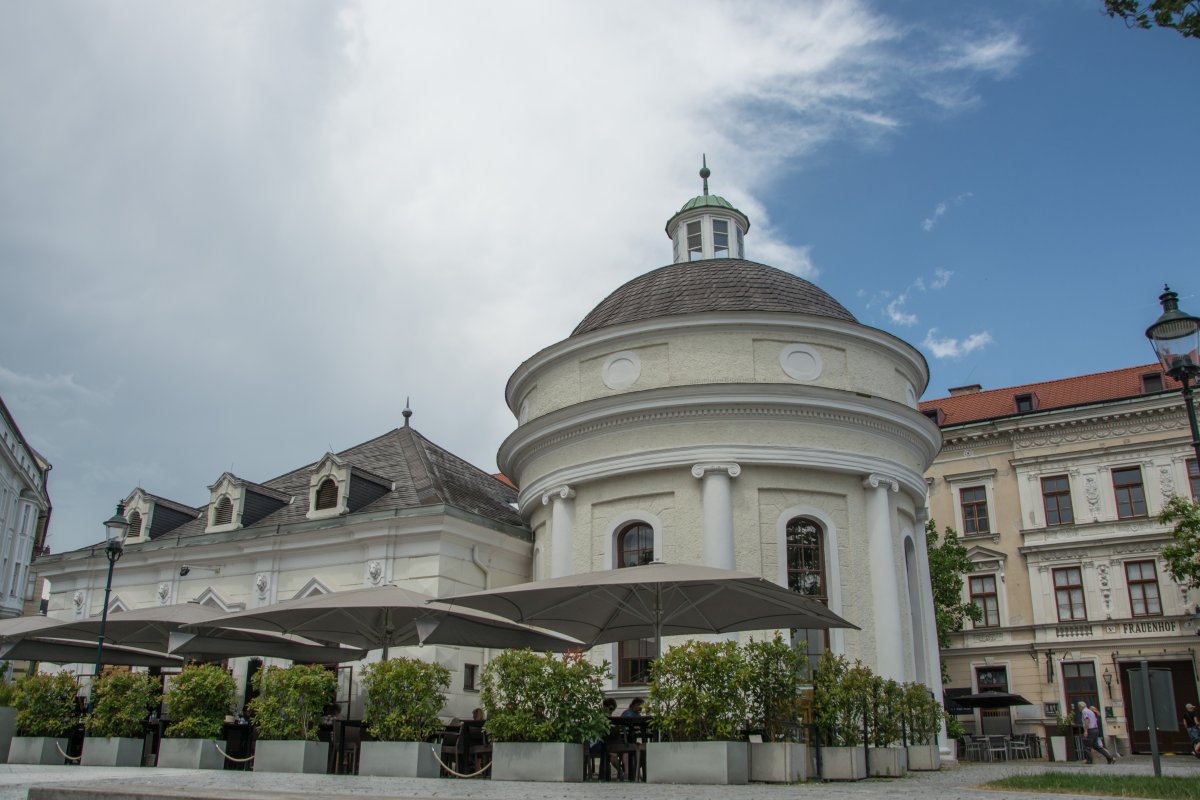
[487,584]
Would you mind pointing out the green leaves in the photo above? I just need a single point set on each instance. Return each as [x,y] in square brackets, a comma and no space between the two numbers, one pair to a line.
[542,698]
[197,702]
[291,701]
[700,691]
[948,563]
[922,712]
[777,674]
[404,697]
[46,704]
[121,701]
[845,695]
[1182,556]
[1179,15]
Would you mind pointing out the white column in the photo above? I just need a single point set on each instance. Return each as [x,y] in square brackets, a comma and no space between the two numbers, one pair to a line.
[885,589]
[933,670]
[718,512]
[562,522]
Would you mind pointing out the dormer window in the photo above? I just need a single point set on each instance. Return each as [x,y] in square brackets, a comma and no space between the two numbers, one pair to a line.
[135,526]
[223,513]
[327,495]
[935,415]
[1152,382]
[1025,403]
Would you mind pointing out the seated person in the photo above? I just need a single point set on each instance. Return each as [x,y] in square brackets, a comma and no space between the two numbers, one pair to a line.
[635,708]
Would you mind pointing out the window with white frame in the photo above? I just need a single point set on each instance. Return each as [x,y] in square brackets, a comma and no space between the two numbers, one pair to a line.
[1056,499]
[695,241]
[1129,492]
[635,547]
[720,238]
[1068,594]
[1142,579]
[983,595]
[973,501]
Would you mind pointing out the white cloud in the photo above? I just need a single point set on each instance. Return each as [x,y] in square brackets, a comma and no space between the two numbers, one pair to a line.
[941,208]
[47,386]
[947,347]
[896,313]
[941,277]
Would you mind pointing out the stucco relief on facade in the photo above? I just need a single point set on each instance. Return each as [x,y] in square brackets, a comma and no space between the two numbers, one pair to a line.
[164,593]
[262,582]
[375,572]
[1091,490]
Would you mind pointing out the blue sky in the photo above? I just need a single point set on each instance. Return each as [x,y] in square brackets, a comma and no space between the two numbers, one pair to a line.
[237,235]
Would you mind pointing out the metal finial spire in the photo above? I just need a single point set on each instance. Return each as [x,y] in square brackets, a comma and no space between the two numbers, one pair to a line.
[704,171]
[407,412]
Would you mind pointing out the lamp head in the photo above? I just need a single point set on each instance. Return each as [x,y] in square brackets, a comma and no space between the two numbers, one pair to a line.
[115,528]
[1175,336]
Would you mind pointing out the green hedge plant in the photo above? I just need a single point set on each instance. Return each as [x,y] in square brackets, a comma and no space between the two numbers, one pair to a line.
[291,701]
[404,698]
[842,696]
[544,698]
[699,692]
[46,704]
[886,713]
[778,673]
[922,713]
[121,701]
[197,702]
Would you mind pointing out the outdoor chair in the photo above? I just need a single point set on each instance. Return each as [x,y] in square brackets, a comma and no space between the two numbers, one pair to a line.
[1018,747]
[977,748]
[997,747]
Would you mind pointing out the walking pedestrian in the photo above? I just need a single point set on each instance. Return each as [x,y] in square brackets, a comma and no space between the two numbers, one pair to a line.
[1091,730]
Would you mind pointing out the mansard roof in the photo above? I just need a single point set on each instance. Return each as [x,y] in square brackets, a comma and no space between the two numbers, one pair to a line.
[424,475]
[1081,390]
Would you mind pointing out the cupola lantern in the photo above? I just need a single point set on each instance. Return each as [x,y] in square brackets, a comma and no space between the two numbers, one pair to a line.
[708,226]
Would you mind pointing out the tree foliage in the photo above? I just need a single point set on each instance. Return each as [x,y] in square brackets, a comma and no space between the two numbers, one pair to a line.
[121,701]
[291,702]
[197,702]
[404,698]
[46,704]
[1182,556]
[777,672]
[948,563]
[543,698]
[1179,15]
[699,692]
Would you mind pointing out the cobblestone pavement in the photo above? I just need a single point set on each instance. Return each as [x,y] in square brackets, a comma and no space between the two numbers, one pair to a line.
[957,781]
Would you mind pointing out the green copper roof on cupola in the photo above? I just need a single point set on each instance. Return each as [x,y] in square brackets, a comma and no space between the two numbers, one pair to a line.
[706,199]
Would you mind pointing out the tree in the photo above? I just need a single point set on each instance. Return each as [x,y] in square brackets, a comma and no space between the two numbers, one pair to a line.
[1180,15]
[1182,556]
[948,563]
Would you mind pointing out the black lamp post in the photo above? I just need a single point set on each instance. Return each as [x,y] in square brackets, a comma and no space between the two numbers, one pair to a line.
[1176,339]
[115,528]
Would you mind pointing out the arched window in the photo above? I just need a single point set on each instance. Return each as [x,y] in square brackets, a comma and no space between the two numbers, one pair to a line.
[135,526]
[635,547]
[806,558]
[223,513]
[806,575]
[327,494]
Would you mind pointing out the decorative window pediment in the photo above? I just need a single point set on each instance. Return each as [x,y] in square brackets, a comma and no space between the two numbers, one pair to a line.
[212,599]
[139,511]
[235,503]
[328,488]
[116,604]
[315,586]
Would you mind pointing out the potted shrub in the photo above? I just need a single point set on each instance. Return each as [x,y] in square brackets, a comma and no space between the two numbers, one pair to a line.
[1060,732]
[888,757]
[923,719]
[403,699]
[700,705]
[8,711]
[196,703]
[287,715]
[840,695]
[777,675]
[541,710]
[45,715]
[121,701]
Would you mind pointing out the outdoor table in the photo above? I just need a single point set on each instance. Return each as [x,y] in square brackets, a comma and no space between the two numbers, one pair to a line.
[628,738]
[349,735]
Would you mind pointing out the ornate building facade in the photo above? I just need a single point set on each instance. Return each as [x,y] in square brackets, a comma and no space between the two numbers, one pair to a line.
[1055,487]
[24,516]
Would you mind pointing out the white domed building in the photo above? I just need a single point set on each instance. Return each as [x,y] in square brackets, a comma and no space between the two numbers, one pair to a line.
[725,413]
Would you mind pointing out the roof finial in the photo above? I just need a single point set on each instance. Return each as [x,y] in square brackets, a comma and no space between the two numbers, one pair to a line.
[407,412]
[704,171]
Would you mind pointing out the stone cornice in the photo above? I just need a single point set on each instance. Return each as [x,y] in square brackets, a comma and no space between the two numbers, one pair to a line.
[1152,413]
[727,402]
[914,365]
[684,458]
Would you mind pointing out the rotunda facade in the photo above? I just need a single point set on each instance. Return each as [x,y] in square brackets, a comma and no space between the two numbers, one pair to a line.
[721,412]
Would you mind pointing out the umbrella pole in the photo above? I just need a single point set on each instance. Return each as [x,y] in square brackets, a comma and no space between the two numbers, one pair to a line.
[387,631]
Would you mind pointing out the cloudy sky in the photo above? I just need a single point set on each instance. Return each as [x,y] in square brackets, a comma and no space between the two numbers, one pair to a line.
[235,235]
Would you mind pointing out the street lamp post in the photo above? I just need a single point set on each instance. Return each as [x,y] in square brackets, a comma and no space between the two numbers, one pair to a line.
[1176,339]
[114,531]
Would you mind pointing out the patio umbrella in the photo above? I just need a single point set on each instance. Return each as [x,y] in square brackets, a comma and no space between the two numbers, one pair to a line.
[152,628]
[991,700]
[389,616]
[67,651]
[653,600]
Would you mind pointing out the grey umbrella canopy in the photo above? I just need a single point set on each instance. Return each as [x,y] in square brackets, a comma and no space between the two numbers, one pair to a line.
[991,700]
[654,600]
[152,629]
[389,616]
[69,651]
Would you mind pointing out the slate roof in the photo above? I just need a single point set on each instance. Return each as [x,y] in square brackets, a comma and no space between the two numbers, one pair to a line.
[720,284]
[1098,387]
[424,475]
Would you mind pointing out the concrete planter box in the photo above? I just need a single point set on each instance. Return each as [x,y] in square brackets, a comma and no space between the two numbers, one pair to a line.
[888,762]
[1058,748]
[697,762]
[37,750]
[778,762]
[112,751]
[398,760]
[843,763]
[924,758]
[8,729]
[190,754]
[291,755]
[555,762]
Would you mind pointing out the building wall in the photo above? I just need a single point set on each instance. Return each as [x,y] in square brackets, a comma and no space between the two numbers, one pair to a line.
[1008,458]
[24,511]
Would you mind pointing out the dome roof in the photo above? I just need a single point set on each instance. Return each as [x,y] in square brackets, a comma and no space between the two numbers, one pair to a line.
[707,200]
[723,284]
